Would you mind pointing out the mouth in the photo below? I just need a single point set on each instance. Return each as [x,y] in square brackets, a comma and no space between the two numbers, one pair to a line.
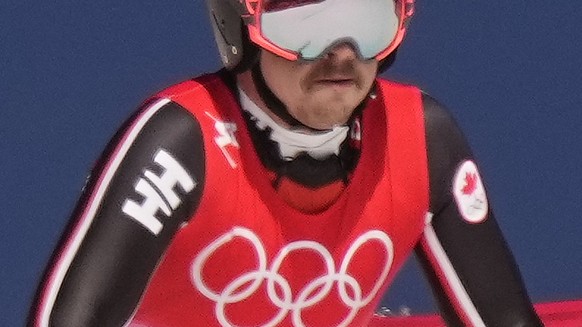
[336,81]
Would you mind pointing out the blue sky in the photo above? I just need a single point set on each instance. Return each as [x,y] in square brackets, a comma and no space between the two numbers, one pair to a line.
[71,72]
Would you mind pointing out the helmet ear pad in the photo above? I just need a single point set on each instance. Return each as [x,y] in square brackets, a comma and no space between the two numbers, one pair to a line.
[236,50]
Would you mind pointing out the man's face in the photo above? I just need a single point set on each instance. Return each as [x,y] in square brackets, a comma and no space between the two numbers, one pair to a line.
[323,93]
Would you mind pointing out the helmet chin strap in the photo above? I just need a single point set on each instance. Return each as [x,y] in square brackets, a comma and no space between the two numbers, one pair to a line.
[272,101]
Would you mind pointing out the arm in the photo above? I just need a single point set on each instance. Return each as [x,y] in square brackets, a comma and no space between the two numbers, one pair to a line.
[471,269]
[147,184]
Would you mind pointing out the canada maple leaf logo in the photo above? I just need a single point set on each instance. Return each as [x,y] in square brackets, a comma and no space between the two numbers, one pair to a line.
[469,193]
[470,183]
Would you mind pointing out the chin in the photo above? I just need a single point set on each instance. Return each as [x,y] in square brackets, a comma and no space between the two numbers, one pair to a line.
[330,118]
[324,112]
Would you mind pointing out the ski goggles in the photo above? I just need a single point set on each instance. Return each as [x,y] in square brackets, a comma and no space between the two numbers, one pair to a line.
[308,29]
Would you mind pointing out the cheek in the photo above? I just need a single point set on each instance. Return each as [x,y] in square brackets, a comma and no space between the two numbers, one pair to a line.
[287,86]
[370,72]
[282,76]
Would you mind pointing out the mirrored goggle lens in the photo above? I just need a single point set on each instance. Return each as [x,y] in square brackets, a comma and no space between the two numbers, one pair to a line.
[310,27]
[276,5]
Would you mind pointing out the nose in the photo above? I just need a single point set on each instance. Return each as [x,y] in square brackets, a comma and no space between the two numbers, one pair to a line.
[341,52]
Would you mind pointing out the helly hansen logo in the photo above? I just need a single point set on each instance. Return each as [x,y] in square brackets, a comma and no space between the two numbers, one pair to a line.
[159,192]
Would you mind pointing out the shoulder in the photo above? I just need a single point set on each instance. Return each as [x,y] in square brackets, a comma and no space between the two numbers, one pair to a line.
[436,114]
[447,149]
[167,107]
[442,130]
[437,117]
[434,111]
[434,108]
[208,85]
[159,126]
[203,95]
[165,122]
[391,86]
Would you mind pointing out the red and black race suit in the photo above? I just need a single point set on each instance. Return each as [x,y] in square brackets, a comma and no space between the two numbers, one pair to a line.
[179,225]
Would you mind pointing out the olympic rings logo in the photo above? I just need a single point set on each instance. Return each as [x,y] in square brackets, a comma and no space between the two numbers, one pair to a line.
[315,291]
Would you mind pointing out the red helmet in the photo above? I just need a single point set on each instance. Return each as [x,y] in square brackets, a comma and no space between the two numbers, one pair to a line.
[306,29]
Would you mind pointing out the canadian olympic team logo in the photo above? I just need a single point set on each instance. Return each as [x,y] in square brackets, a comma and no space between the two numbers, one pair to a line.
[278,288]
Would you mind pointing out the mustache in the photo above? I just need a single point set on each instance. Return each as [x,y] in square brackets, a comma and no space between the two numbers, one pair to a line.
[328,69]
